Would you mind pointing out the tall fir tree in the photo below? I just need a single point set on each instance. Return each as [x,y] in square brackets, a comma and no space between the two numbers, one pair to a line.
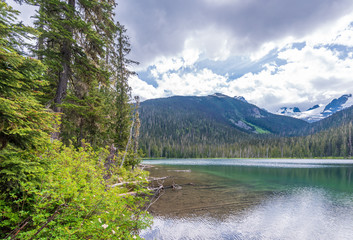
[75,37]
[120,66]
[25,124]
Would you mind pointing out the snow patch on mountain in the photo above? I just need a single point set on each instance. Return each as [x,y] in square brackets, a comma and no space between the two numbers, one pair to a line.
[219,95]
[319,111]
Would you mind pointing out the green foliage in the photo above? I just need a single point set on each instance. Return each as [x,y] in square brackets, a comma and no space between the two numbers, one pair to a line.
[49,190]
[24,122]
[72,200]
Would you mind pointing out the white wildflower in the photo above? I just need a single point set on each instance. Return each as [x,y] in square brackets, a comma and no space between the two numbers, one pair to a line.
[113,231]
[105,226]
[99,220]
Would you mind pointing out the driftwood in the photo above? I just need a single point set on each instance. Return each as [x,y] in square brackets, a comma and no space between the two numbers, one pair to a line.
[128,193]
[160,190]
[136,182]
[158,179]
[123,183]
[157,191]
[157,194]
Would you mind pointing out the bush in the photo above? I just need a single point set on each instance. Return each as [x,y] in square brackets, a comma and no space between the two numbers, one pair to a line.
[70,199]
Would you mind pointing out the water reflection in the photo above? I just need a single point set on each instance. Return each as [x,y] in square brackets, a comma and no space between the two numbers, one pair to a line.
[302,214]
[248,201]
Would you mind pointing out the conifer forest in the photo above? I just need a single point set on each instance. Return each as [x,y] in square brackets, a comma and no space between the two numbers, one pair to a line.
[68,125]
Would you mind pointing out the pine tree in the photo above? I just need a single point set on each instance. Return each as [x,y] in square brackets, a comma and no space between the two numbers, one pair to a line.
[24,123]
[120,65]
[75,37]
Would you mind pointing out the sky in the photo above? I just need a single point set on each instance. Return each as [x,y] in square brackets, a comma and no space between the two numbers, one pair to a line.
[275,53]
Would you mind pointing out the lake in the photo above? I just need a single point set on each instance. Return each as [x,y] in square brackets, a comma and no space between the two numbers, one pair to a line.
[253,199]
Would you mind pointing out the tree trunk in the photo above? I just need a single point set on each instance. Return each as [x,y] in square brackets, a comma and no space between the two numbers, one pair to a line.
[64,75]
[66,59]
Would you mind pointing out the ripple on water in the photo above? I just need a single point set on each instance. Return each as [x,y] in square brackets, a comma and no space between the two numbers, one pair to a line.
[303,213]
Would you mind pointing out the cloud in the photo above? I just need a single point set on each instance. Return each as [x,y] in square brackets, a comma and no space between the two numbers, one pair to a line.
[299,75]
[274,53]
[311,75]
[200,83]
[221,28]
[144,90]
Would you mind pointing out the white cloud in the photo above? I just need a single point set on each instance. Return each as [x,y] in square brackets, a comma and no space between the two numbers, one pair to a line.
[311,75]
[213,42]
[195,83]
[143,90]
[164,65]
[224,27]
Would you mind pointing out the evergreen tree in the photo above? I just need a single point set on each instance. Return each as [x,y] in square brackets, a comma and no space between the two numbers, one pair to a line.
[120,66]
[49,190]
[75,37]
[24,122]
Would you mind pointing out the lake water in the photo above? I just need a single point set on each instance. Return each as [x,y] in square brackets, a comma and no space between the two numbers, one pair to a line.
[253,199]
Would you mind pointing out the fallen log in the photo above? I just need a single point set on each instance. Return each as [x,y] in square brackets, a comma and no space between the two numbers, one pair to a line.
[157,179]
[128,193]
[123,183]
[136,182]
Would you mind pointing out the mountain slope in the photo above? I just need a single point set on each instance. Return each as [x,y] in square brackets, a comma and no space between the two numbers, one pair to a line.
[220,110]
[221,126]
[335,120]
[216,119]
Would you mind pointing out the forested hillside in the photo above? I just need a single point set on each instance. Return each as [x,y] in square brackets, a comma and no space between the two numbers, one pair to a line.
[211,120]
[220,126]
[68,131]
[338,119]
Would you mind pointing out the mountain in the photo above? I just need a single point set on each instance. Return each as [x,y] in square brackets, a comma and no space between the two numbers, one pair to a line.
[221,126]
[335,120]
[234,113]
[319,111]
[241,98]
[217,119]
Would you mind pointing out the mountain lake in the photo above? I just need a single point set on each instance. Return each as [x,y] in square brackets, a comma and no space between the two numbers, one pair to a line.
[253,199]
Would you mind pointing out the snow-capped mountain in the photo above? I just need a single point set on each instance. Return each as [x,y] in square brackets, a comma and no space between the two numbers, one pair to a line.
[319,111]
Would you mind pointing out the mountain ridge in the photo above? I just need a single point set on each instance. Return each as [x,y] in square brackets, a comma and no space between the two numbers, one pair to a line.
[318,111]
[219,125]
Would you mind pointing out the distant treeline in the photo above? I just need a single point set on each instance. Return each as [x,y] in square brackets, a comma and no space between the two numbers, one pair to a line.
[333,142]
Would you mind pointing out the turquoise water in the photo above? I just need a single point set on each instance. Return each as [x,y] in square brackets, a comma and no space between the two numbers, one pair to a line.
[253,199]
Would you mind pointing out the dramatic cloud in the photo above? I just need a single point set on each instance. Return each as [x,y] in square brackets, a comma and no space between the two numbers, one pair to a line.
[300,74]
[220,28]
[274,53]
